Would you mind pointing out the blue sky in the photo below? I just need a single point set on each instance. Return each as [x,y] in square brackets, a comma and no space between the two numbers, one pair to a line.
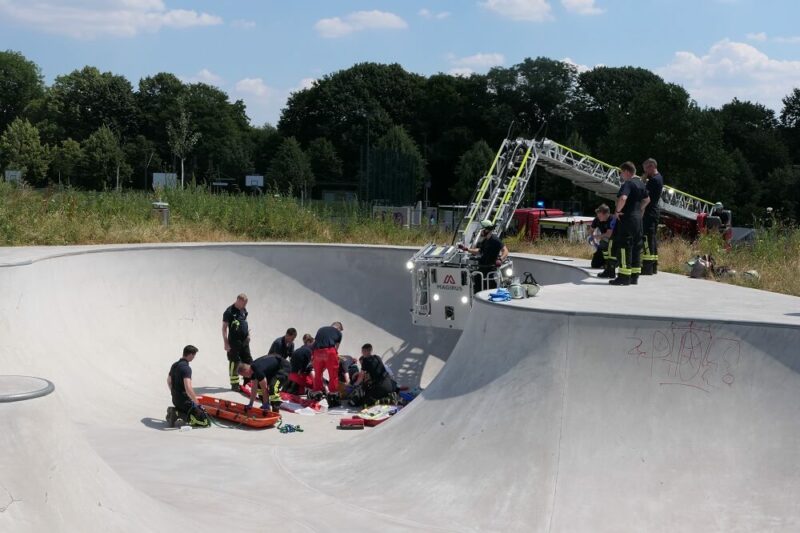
[262,50]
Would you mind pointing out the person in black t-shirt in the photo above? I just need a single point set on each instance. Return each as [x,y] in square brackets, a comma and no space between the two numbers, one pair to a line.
[184,400]
[628,238]
[301,375]
[373,384]
[270,373]
[284,346]
[491,253]
[650,217]
[236,337]
[602,226]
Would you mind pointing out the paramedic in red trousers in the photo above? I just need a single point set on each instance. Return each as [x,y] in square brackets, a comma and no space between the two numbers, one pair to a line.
[326,357]
[631,199]
[654,186]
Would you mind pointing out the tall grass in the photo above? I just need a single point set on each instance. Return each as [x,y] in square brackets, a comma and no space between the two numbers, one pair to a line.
[58,217]
[774,256]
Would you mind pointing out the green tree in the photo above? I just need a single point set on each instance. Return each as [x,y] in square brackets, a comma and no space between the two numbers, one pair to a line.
[290,168]
[157,99]
[86,99]
[67,159]
[265,141]
[353,107]
[396,169]
[225,148]
[538,91]
[104,160]
[472,166]
[21,149]
[20,84]
[790,123]
[182,137]
[142,155]
[753,129]
[325,162]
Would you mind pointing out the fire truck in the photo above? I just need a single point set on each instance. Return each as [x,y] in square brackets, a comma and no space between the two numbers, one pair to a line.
[444,278]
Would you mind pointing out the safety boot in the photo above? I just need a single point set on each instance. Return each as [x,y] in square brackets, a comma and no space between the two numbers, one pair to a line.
[655,267]
[333,400]
[172,416]
[634,279]
[622,279]
[647,268]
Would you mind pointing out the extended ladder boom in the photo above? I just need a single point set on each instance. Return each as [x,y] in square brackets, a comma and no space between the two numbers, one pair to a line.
[604,179]
[501,190]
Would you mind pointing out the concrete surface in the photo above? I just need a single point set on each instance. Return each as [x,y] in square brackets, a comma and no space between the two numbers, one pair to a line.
[667,406]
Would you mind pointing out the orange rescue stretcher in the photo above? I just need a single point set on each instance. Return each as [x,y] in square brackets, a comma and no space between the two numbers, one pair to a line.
[238,413]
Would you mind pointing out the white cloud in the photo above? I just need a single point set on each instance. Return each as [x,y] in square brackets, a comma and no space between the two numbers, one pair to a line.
[787,40]
[428,14]
[479,61]
[578,66]
[732,69]
[87,19]
[253,87]
[358,21]
[760,36]
[582,7]
[527,10]
[243,24]
[203,76]
[461,72]
[306,83]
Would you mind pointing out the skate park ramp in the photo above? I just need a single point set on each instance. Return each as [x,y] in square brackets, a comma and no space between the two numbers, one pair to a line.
[671,406]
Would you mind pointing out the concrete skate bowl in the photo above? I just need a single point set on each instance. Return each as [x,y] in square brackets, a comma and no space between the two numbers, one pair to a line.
[553,421]
[105,323]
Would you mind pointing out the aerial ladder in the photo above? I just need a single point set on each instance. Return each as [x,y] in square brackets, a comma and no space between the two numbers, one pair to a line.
[445,277]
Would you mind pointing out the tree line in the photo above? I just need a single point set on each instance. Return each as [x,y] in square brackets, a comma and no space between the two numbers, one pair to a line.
[95,130]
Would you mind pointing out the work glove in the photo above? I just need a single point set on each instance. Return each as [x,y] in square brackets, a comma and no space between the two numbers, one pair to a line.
[498,263]
[461,246]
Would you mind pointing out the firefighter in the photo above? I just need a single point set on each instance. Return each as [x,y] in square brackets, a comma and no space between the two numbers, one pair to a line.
[300,377]
[491,252]
[650,217]
[284,345]
[236,338]
[184,400]
[627,240]
[600,237]
[270,373]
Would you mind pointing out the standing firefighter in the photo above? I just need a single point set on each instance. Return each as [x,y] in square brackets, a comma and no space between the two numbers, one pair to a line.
[184,399]
[491,253]
[236,336]
[628,232]
[654,186]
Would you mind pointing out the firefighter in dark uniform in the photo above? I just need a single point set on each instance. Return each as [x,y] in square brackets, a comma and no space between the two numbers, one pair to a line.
[270,373]
[284,345]
[628,237]
[236,337]
[184,400]
[602,226]
[491,253]
[652,213]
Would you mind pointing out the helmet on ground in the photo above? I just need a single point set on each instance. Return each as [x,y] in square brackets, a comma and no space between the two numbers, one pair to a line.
[487,224]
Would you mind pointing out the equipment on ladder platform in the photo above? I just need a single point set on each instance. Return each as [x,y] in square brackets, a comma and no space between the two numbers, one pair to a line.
[444,277]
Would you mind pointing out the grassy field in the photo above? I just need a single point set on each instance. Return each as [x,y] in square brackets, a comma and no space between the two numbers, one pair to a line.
[29,217]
